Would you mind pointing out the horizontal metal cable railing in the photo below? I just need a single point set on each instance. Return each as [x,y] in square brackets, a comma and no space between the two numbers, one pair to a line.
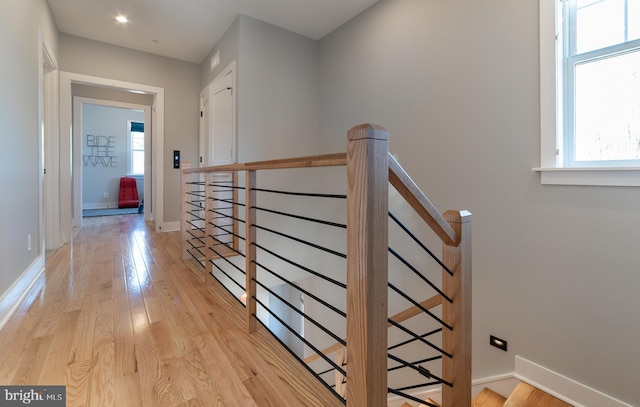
[297,254]
[194,217]
[407,337]
[340,277]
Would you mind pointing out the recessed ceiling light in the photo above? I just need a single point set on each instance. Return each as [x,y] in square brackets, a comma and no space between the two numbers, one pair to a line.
[122,19]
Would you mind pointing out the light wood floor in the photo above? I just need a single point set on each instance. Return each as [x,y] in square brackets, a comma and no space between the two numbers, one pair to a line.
[120,320]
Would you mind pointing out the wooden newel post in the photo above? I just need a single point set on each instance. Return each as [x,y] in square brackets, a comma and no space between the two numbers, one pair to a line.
[367,268]
[184,207]
[457,342]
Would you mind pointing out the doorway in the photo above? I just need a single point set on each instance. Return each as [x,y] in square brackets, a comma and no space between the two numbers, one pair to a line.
[71,160]
[49,141]
[103,130]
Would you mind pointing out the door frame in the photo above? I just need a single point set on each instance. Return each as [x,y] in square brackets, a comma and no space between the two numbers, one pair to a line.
[50,236]
[204,125]
[71,211]
[206,118]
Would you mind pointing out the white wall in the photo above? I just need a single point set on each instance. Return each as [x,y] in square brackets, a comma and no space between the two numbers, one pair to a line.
[556,269]
[19,132]
[102,175]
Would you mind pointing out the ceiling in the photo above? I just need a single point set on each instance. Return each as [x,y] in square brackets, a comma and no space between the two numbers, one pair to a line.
[188,29]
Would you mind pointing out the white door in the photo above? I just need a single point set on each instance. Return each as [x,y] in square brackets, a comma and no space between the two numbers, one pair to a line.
[222,151]
[203,155]
[218,147]
[222,138]
[51,143]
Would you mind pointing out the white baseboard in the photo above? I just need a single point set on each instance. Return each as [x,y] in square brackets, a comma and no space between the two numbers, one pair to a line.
[562,387]
[12,298]
[101,205]
[169,227]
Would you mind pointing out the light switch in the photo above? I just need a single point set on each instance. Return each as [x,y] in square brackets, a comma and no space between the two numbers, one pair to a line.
[176,158]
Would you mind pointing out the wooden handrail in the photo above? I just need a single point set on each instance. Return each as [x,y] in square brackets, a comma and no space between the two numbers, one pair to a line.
[403,183]
[398,318]
[398,177]
[414,310]
[326,351]
[326,160]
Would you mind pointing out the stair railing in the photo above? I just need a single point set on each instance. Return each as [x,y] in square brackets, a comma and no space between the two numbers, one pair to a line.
[217,216]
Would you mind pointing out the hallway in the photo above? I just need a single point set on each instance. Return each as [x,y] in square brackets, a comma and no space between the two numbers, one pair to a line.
[120,320]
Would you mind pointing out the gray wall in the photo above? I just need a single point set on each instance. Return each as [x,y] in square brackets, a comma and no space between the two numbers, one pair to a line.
[278,96]
[180,81]
[100,175]
[555,267]
[19,170]
[229,48]
[277,80]
[278,93]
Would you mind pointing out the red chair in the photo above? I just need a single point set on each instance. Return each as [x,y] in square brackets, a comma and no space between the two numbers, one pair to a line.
[128,196]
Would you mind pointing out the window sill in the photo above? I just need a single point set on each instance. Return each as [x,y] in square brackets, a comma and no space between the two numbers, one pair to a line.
[603,176]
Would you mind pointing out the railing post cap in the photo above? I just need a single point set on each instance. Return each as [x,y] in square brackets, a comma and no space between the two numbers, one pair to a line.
[461,216]
[368,130]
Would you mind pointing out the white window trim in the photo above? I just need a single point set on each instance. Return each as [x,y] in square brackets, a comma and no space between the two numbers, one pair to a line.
[551,171]
[130,152]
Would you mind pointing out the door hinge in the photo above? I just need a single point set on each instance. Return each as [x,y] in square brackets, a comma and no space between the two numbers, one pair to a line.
[200,160]
[201,113]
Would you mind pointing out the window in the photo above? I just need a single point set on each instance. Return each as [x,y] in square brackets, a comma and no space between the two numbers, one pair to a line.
[137,148]
[590,86]
[601,58]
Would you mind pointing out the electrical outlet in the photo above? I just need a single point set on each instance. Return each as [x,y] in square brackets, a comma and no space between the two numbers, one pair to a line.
[106,195]
[29,242]
[498,343]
